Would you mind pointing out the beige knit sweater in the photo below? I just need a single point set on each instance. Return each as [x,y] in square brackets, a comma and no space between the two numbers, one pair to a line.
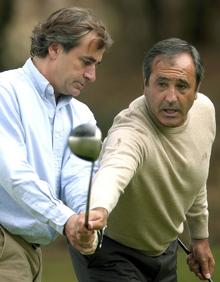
[153,178]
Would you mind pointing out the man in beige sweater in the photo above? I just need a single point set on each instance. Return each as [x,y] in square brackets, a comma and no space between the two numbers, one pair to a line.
[153,173]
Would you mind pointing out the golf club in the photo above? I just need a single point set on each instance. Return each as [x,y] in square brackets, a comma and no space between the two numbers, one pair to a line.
[85,142]
[188,252]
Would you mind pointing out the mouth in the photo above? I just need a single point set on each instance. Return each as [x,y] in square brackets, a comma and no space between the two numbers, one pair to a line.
[79,85]
[170,112]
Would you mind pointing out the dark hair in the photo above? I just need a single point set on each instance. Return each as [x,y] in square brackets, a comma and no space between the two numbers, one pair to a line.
[169,48]
[67,26]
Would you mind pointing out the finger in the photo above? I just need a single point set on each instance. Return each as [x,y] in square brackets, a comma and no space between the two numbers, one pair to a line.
[194,266]
[90,225]
[201,277]
[189,258]
[204,267]
[211,265]
[88,248]
[84,238]
[85,250]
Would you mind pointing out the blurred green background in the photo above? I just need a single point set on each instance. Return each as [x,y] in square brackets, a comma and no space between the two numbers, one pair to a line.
[135,26]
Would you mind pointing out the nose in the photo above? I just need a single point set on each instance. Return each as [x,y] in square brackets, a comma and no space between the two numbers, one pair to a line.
[90,73]
[171,95]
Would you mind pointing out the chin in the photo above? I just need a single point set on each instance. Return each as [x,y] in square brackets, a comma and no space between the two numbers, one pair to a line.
[75,93]
[171,124]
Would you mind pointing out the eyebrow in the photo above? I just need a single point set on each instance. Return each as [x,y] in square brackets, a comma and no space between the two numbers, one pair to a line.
[91,59]
[183,81]
[163,78]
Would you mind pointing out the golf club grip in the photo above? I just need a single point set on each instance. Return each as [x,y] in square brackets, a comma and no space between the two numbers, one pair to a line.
[88,197]
[188,252]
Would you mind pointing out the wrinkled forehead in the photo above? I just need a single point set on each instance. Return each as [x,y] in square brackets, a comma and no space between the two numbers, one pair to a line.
[182,60]
[174,68]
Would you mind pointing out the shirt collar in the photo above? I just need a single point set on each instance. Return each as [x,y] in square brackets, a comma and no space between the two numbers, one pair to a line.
[42,85]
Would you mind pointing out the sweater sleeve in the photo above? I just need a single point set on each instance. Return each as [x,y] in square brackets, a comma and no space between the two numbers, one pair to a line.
[197,216]
[121,155]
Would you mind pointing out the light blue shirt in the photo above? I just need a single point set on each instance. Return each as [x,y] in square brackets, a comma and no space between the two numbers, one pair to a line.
[41,182]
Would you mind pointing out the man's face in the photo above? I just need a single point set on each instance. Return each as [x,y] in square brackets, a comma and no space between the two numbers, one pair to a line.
[171,89]
[69,72]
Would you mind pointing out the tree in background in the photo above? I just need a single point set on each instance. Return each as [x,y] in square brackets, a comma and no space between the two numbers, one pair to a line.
[6,11]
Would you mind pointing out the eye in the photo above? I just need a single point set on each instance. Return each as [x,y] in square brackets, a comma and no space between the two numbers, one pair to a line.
[182,86]
[162,84]
[87,62]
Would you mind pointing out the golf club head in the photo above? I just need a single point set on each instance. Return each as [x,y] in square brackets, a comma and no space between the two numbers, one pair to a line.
[85,142]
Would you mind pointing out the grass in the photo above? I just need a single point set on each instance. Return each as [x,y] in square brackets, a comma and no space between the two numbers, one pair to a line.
[58,267]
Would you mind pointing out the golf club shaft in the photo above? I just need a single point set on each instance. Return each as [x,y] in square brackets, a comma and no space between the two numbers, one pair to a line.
[88,197]
[183,247]
[186,250]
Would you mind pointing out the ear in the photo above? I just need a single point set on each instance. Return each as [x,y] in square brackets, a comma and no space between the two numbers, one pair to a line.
[197,90]
[145,83]
[145,86]
[54,50]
